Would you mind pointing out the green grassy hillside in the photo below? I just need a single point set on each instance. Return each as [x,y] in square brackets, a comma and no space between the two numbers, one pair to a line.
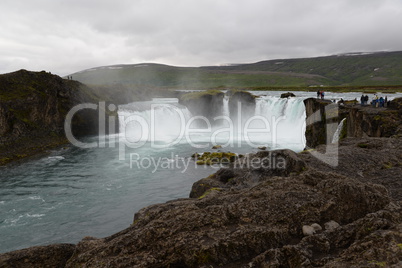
[359,69]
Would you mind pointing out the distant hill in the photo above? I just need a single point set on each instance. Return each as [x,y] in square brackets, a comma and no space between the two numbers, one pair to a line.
[352,69]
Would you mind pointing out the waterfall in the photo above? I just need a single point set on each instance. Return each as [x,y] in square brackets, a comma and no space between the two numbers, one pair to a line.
[275,123]
[338,131]
[225,109]
[286,118]
[162,119]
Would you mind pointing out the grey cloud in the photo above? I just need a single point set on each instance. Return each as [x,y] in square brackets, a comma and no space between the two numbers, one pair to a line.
[67,36]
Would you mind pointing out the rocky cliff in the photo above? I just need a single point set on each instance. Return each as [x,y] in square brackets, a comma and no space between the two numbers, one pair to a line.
[210,103]
[323,117]
[372,122]
[204,103]
[321,121]
[33,108]
[241,102]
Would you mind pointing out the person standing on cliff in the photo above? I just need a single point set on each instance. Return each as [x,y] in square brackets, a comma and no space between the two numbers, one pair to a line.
[322,95]
[318,94]
[366,99]
[381,102]
[362,100]
[386,102]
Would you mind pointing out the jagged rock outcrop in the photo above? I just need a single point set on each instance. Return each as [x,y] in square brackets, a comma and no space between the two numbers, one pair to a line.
[209,103]
[243,100]
[321,121]
[33,109]
[287,95]
[323,117]
[250,170]
[372,241]
[205,103]
[373,122]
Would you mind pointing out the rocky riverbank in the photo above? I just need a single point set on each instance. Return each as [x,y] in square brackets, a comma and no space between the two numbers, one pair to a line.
[253,216]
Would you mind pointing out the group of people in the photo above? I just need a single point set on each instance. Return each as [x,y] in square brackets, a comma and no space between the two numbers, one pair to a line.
[320,94]
[376,102]
[364,100]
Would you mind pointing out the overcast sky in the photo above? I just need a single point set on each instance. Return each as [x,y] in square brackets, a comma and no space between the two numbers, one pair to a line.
[65,36]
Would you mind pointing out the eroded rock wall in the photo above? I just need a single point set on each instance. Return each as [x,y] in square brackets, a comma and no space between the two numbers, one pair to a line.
[206,103]
[322,117]
[33,109]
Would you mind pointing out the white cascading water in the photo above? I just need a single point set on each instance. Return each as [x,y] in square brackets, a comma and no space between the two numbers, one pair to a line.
[284,118]
[225,109]
[338,131]
[162,119]
[276,123]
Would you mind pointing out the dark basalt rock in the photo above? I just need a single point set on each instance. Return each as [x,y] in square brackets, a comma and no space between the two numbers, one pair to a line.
[287,95]
[231,226]
[250,170]
[206,103]
[323,118]
[33,109]
[37,257]
[321,121]
[243,99]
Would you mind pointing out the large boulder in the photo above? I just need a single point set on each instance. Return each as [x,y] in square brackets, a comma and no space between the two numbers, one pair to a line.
[243,99]
[287,95]
[207,103]
[250,170]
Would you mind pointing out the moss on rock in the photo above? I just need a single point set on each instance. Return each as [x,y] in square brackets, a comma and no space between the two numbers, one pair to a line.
[208,158]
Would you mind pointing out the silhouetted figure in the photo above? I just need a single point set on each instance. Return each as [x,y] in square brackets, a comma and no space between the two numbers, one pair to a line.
[381,102]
